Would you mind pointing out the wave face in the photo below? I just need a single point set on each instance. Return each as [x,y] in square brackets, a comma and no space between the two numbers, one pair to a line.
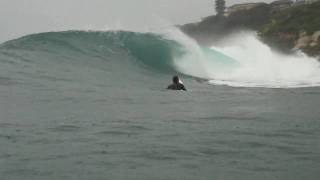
[139,57]
[85,60]
[149,49]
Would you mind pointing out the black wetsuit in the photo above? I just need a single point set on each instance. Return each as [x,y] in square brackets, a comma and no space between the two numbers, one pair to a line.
[178,87]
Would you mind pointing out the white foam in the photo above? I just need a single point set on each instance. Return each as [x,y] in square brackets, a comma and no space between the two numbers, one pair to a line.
[194,61]
[258,65]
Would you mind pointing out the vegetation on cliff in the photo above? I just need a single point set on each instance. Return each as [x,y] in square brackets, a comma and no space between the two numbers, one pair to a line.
[286,27]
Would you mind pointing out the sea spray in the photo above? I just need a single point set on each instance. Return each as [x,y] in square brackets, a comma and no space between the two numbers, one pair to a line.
[261,66]
[243,60]
[193,61]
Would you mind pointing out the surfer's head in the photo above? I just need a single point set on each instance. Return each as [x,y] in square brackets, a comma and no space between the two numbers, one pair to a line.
[175,79]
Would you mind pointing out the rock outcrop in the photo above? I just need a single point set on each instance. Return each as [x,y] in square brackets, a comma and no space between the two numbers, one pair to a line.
[305,41]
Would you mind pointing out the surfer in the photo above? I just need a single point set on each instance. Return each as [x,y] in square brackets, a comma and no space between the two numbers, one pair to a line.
[177,84]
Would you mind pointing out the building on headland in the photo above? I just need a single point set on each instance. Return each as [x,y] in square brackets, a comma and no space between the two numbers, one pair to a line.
[241,7]
[281,4]
[275,5]
[301,2]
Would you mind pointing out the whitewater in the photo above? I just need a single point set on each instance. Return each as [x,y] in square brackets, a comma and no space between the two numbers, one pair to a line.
[94,105]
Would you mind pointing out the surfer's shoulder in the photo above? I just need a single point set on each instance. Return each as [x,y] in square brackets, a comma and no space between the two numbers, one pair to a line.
[176,87]
[172,87]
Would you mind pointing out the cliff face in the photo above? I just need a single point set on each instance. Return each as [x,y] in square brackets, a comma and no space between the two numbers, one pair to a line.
[294,28]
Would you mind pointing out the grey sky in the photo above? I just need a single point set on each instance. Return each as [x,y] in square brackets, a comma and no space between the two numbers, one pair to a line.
[21,17]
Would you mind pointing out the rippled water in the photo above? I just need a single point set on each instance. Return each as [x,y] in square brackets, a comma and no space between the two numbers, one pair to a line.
[210,132]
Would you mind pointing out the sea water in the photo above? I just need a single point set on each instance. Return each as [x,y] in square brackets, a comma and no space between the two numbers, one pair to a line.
[93,105]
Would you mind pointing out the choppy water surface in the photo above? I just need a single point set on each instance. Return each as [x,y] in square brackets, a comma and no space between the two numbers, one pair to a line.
[102,112]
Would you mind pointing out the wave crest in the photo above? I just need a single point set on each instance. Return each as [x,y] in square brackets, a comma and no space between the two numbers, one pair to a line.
[241,61]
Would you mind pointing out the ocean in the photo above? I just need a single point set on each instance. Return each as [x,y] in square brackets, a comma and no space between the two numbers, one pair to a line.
[93,105]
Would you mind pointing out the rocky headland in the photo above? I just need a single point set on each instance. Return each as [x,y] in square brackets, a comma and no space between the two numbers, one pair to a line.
[283,25]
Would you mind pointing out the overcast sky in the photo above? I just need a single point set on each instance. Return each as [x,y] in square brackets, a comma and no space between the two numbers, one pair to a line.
[21,17]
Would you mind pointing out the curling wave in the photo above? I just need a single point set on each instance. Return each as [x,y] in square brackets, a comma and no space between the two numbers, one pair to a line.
[241,61]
